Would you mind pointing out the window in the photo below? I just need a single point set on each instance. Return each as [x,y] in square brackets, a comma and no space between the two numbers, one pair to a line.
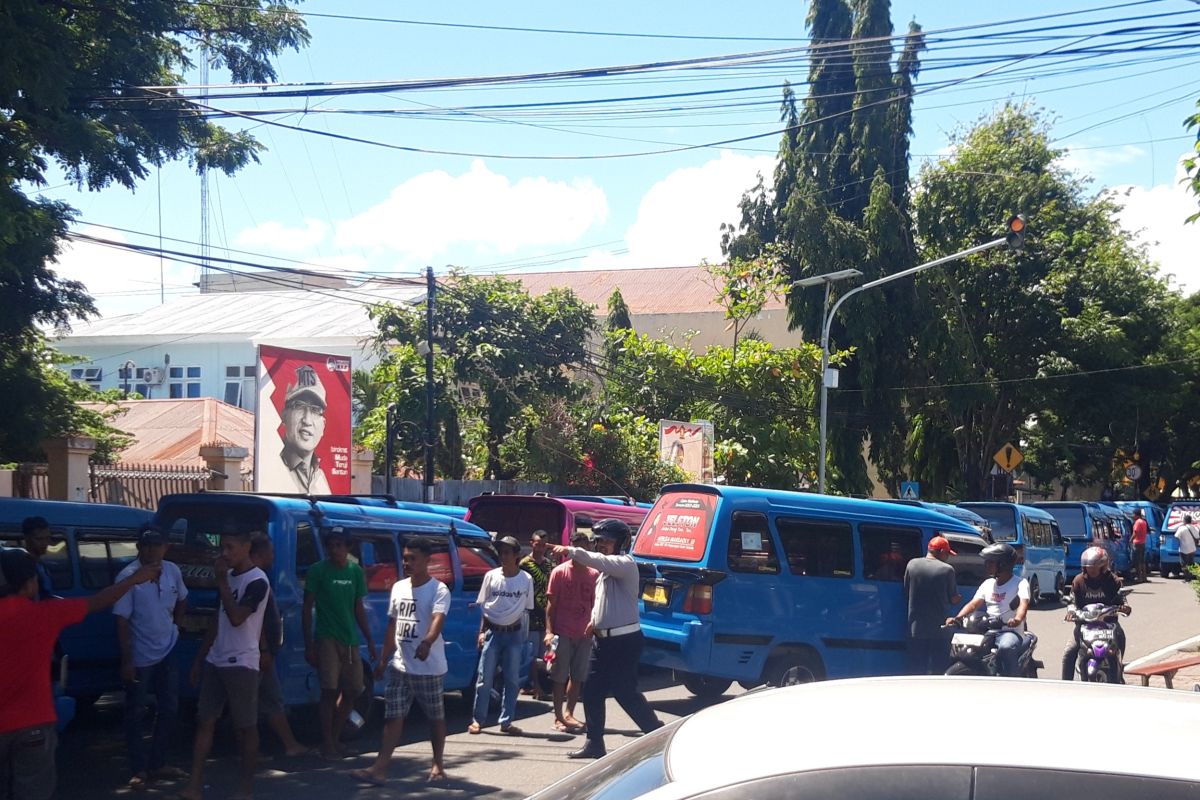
[477,556]
[92,376]
[439,560]
[57,560]
[751,547]
[241,387]
[306,550]
[100,560]
[886,551]
[817,549]
[376,553]
[184,382]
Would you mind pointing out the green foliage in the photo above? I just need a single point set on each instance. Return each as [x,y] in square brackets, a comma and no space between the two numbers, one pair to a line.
[618,313]
[1191,165]
[744,287]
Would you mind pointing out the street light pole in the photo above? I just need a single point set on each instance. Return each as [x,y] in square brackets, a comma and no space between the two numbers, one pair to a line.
[833,312]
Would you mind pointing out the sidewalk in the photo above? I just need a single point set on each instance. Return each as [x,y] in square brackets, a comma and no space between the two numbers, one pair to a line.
[1185,679]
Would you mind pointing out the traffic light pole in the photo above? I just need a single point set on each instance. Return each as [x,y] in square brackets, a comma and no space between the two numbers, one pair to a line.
[430,291]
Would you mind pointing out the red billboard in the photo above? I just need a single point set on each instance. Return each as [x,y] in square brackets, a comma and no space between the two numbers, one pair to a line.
[302,427]
[677,527]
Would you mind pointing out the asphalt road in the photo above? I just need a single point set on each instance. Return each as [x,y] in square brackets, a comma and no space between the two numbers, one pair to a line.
[91,755]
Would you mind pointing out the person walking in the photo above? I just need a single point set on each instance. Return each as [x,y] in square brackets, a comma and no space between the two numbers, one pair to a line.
[538,567]
[506,598]
[1187,535]
[35,531]
[414,660]
[570,595]
[931,587]
[335,588]
[147,632]
[617,648]
[1141,529]
[227,665]
[28,633]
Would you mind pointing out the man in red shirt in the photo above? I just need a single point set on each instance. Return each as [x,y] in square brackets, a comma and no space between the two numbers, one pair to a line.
[1140,529]
[28,631]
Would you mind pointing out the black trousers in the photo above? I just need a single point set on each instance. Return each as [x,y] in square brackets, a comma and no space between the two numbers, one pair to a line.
[613,671]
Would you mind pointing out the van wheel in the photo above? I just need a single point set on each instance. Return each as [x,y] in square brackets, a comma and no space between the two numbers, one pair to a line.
[791,669]
[1060,586]
[705,687]
[1035,591]
[1165,571]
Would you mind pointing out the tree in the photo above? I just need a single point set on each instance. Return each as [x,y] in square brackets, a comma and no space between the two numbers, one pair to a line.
[69,74]
[743,287]
[619,318]
[1192,165]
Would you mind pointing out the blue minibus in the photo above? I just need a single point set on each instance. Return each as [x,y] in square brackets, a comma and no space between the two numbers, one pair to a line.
[981,525]
[1168,545]
[463,553]
[765,586]
[1119,537]
[1041,550]
[1154,515]
[90,544]
[1082,524]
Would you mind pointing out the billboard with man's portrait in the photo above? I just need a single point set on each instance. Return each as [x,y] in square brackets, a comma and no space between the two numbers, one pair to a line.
[302,427]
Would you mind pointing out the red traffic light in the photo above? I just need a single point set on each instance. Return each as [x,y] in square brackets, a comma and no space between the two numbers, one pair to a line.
[1016,233]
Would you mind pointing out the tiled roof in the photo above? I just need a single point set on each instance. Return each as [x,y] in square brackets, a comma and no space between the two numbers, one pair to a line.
[172,431]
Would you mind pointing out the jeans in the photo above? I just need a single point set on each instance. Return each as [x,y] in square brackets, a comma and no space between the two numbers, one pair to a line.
[928,656]
[162,681]
[27,770]
[1071,653]
[1011,645]
[613,670]
[503,649]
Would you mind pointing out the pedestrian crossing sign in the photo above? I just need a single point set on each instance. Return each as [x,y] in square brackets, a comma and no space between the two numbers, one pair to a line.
[910,490]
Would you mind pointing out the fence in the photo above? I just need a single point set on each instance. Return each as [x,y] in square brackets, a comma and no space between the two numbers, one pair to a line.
[141,485]
[32,481]
[456,493]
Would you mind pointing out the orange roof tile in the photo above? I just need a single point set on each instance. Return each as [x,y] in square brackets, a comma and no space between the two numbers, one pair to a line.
[172,431]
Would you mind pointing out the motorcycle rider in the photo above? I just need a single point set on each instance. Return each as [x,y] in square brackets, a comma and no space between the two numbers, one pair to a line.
[1095,584]
[1007,597]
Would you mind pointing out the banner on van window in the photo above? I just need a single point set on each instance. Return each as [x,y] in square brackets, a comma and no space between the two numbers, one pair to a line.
[689,446]
[677,527]
[1175,515]
[302,425]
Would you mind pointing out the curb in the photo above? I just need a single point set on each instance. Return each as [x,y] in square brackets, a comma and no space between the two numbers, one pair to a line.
[1164,651]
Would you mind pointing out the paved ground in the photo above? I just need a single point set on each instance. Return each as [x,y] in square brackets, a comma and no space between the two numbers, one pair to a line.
[91,756]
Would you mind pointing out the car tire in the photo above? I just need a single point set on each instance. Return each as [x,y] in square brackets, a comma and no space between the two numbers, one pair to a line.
[1164,571]
[705,687]
[1060,586]
[794,668]
[1035,591]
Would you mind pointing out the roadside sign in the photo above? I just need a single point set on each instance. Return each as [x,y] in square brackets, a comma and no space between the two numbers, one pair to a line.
[910,490]
[1133,472]
[1008,458]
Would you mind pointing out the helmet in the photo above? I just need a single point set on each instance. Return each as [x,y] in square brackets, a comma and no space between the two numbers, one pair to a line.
[1003,554]
[613,529]
[1094,557]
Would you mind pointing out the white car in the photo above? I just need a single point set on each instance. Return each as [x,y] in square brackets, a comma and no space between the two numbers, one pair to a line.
[920,738]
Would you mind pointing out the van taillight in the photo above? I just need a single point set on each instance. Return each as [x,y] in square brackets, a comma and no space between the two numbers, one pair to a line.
[699,599]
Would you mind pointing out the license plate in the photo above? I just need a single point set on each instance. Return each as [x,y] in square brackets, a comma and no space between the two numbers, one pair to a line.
[655,594]
[968,639]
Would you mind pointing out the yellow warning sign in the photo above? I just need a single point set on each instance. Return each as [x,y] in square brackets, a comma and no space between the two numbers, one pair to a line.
[1008,458]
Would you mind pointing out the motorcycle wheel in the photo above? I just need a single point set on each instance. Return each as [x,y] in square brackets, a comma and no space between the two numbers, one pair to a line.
[959,668]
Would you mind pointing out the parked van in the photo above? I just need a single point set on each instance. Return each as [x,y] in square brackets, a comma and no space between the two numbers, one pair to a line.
[520,515]
[1154,515]
[462,555]
[90,544]
[1041,549]
[1168,545]
[981,525]
[1083,525]
[765,586]
[388,501]
[1119,536]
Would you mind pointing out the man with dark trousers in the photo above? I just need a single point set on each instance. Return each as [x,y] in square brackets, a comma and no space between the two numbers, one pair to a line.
[618,635]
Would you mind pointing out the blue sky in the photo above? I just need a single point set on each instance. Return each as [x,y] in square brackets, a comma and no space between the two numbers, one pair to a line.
[344,205]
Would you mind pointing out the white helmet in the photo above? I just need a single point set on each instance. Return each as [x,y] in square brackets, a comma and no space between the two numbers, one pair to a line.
[1094,557]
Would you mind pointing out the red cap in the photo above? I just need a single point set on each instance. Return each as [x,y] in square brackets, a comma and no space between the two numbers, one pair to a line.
[940,543]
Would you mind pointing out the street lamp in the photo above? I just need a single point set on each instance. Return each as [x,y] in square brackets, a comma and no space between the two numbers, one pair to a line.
[1014,238]
[127,370]
[393,424]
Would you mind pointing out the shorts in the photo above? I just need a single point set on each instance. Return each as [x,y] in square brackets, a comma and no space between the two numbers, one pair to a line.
[339,667]
[238,686]
[27,762]
[571,660]
[270,694]
[405,687]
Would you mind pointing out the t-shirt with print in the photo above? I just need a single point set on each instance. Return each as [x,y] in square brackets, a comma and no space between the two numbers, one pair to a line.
[150,609]
[540,572]
[1003,599]
[412,609]
[505,600]
[336,592]
[237,645]
[573,588]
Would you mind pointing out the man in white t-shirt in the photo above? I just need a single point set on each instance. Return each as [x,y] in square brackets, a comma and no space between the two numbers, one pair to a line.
[147,632]
[1187,535]
[414,659]
[506,598]
[1007,597]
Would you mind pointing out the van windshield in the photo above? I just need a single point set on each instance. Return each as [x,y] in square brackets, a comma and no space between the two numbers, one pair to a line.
[678,527]
[1070,521]
[194,534]
[1002,519]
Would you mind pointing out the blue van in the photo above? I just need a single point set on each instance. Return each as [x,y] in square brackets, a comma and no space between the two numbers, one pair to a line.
[1154,515]
[388,501]
[981,525]
[1042,552]
[463,553]
[1168,545]
[91,543]
[1082,524]
[1119,538]
[765,586]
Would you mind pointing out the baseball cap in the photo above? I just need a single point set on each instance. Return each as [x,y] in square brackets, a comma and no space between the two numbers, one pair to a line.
[510,542]
[940,543]
[150,536]
[308,385]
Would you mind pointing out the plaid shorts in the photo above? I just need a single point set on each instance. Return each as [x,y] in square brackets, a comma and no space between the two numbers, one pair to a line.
[404,687]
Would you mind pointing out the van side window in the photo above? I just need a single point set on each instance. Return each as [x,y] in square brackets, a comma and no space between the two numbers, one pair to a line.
[1055,534]
[477,557]
[886,551]
[439,560]
[818,549]
[100,560]
[969,569]
[57,560]
[306,549]
[751,548]
[376,554]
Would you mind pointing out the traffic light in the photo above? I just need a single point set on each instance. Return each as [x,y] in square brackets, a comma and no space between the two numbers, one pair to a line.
[1016,233]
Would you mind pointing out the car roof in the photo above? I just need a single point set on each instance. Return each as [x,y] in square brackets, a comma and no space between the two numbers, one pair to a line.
[64,513]
[903,720]
[1034,512]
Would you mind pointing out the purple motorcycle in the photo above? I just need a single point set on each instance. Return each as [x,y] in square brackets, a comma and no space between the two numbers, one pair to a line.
[1100,657]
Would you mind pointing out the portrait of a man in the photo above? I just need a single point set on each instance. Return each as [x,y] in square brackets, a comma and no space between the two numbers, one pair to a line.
[303,426]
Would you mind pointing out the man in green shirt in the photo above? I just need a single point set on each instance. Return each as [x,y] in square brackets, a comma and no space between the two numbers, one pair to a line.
[336,587]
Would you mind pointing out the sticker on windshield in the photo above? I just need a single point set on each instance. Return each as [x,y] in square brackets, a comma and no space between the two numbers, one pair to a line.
[677,527]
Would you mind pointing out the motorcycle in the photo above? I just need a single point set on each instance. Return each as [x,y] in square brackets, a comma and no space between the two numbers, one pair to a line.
[973,648]
[1100,658]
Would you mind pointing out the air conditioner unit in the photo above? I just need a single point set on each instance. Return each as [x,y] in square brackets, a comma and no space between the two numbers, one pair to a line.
[154,376]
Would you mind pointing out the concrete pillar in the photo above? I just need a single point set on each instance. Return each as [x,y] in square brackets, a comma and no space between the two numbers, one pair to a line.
[7,478]
[362,464]
[225,462]
[70,475]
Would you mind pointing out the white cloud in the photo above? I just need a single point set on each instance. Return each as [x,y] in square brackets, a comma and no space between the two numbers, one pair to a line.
[120,281]
[428,214]
[280,238]
[1159,213]
[679,219]
[1094,162]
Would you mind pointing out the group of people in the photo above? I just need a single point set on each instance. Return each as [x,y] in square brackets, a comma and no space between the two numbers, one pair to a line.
[582,616]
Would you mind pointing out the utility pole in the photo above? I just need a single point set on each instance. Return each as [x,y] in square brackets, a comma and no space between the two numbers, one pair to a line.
[430,291]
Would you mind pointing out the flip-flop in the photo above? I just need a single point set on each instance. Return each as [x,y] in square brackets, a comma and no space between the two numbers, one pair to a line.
[139,783]
[511,730]
[474,728]
[362,776]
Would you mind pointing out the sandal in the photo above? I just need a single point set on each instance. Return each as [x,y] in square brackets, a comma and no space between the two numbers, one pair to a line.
[474,728]
[139,782]
[362,776]
[511,730]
